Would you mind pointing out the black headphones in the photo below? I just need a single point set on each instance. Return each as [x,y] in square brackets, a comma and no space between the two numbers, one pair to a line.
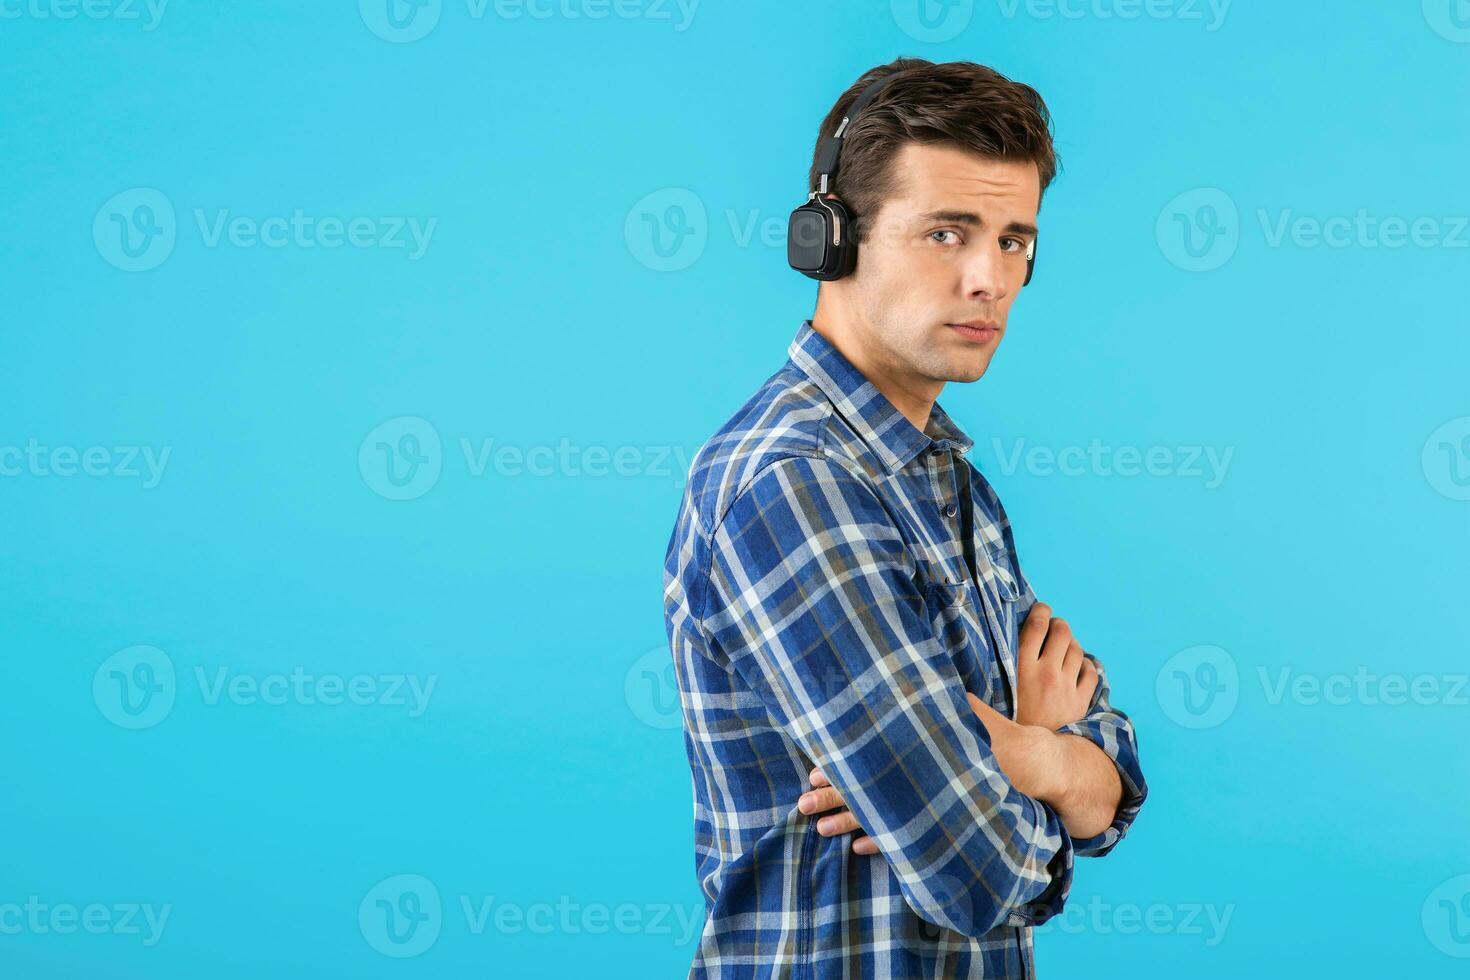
[819,239]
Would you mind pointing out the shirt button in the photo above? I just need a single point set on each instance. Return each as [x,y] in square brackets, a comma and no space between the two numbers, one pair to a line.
[951,510]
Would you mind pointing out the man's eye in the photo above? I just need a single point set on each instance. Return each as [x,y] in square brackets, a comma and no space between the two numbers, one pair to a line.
[1020,246]
[945,231]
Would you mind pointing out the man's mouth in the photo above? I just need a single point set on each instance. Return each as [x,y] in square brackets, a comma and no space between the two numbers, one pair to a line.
[980,331]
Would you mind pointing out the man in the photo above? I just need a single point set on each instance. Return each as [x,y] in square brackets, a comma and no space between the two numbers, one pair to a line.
[896,750]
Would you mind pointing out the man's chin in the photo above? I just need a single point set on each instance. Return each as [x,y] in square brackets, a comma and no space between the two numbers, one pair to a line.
[967,372]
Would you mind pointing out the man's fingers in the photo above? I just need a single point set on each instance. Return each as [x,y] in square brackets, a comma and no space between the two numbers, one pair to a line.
[836,824]
[1087,678]
[820,800]
[865,845]
[1058,639]
[1033,631]
[816,778]
[1088,673]
[1072,663]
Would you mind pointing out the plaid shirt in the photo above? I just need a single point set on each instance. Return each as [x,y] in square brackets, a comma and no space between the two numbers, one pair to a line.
[835,583]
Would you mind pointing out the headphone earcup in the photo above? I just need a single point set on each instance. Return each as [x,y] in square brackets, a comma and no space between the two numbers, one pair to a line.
[819,240]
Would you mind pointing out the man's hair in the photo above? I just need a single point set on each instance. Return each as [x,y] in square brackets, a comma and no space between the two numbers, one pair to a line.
[958,103]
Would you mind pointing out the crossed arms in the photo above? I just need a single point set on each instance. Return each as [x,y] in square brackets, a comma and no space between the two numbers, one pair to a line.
[1056,680]
[812,595]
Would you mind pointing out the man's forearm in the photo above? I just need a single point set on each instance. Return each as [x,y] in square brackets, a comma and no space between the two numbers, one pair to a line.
[1066,771]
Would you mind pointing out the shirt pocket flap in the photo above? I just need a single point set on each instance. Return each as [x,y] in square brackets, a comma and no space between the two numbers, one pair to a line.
[998,576]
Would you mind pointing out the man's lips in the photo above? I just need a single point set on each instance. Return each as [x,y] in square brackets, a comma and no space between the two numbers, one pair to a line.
[979,330]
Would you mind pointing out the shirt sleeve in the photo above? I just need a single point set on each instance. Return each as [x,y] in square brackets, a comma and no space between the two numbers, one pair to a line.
[1112,731]
[813,597]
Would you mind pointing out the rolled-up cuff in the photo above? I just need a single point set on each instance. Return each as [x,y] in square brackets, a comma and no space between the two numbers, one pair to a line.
[1104,733]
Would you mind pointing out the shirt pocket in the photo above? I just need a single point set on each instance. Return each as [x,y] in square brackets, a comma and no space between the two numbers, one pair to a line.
[996,573]
[956,612]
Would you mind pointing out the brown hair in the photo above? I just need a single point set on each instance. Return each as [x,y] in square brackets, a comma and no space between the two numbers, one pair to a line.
[958,102]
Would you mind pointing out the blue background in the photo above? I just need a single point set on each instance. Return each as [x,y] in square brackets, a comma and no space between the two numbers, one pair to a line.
[547,770]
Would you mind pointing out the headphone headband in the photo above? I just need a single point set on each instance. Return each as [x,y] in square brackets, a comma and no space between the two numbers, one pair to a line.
[829,153]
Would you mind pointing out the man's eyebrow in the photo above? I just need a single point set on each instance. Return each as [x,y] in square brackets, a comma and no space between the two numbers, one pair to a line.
[971,218]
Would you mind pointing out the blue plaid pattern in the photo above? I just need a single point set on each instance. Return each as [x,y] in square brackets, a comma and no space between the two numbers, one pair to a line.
[835,583]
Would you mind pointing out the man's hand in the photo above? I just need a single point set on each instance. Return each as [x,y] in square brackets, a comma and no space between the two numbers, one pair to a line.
[1054,687]
[823,797]
[1054,682]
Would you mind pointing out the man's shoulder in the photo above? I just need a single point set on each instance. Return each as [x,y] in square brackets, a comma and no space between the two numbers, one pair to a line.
[788,417]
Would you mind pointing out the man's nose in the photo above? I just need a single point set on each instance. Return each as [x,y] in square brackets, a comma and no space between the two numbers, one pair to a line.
[984,274]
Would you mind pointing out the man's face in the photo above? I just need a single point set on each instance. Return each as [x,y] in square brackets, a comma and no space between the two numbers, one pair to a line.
[947,247]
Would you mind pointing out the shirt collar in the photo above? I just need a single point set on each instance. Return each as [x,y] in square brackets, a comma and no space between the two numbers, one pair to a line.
[881,425]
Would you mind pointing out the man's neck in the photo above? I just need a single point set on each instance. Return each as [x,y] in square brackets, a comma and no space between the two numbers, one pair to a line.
[913,397]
